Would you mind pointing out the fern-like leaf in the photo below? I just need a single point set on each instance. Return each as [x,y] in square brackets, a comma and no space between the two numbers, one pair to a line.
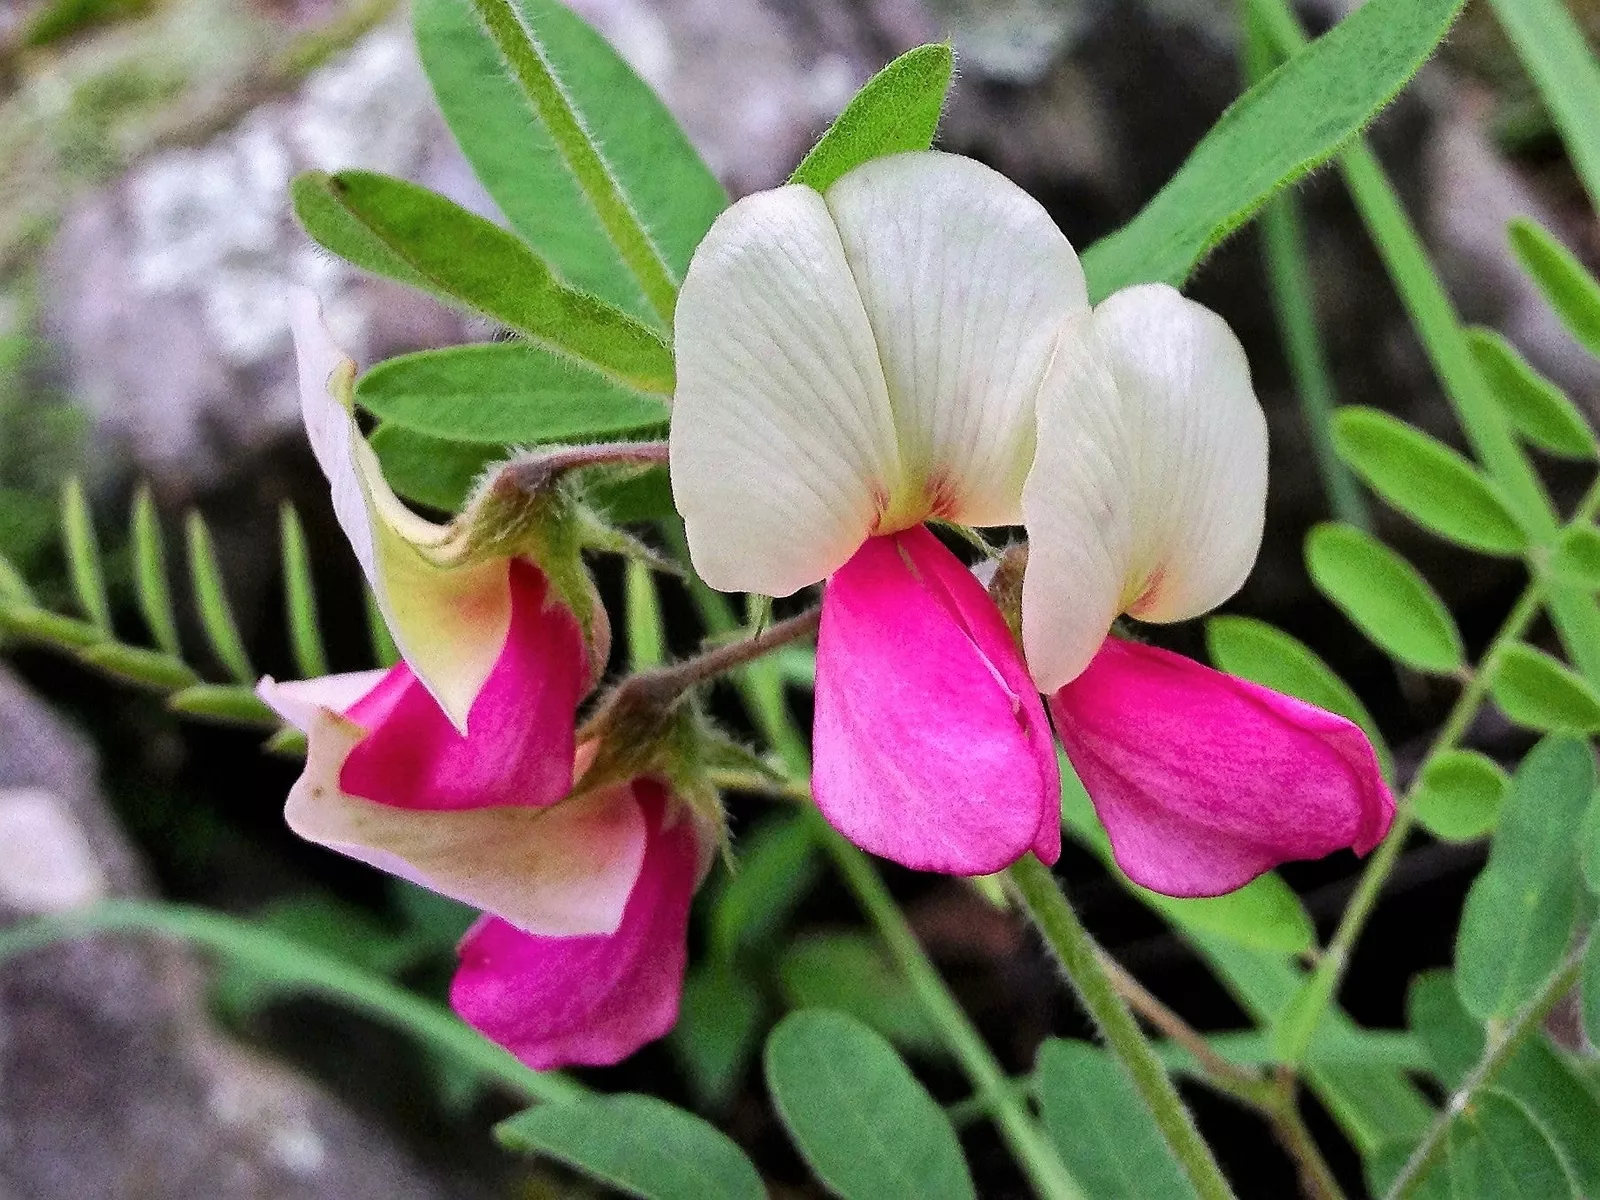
[300,598]
[211,599]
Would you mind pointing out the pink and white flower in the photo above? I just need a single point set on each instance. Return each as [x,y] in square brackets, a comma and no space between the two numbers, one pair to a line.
[917,344]
[457,769]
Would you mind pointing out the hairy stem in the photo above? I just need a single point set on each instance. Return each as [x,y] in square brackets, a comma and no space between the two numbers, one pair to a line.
[1021,1132]
[548,99]
[1273,1099]
[1289,284]
[536,471]
[762,693]
[1080,960]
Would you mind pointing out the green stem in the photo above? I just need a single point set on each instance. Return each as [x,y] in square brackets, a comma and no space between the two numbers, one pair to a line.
[289,963]
[1499,1052]
[1575,612]
[1289,281]
[762,692]
[548,99]
[1324,980]
[1080,963]
[1552,48]
[1028,1143]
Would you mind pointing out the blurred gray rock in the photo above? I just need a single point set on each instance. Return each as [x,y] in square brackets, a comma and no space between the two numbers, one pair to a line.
[113,1084]
[166,291]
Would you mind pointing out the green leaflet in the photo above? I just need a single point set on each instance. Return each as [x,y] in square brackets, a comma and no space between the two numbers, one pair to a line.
[1386,597]
[1541,693]
[1496,1151]
[1536,408]
[778,864]
[1576,558]
[1566,283]
[851,974]
[1551,46]
[1459,794]
[432,471]
[859,1117]
[300,597]
[1256,651]
[211,601]
[150,573]
[1521,911]
[503,393]
[719,1022]
[574,164]
[638,1145]
[1287,125]
[83,556]
[897,110]
[1101,1127]
[408,233]
[1426,480]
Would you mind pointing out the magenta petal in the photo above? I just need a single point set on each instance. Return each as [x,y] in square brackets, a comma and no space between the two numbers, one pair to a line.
[589,1001]
[520,742]
[1204,781]
[932,747]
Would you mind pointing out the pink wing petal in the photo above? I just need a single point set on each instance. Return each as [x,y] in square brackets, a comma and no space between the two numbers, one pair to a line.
[521,744]
[590,1001]
[1204,781]
[932,748]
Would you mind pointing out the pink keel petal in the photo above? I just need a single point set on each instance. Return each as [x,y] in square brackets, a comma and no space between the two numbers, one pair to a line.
[519,744]
[932,748]
[1204,781]
[591,1001]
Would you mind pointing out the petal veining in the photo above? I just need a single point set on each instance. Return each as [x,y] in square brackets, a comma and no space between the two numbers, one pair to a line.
[782,443]
[1148,491]
[1203,781]
[965,280]
[932,748]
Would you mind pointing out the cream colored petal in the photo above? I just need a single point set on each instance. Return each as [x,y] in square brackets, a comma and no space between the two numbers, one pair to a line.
[561,871]
[1075,505]
[450,624]
[298,701]
[1198,439]
[1148,491]
[782,444]
[965,279]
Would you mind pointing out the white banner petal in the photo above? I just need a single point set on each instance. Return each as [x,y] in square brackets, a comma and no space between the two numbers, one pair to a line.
[782,443]
[1198,439]
[965,279]
[1075,505]
[1148,491]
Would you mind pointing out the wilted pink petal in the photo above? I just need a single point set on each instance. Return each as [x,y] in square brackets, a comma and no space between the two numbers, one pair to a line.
[932,747]
[590,1001]
[1204,781]
[519,748]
